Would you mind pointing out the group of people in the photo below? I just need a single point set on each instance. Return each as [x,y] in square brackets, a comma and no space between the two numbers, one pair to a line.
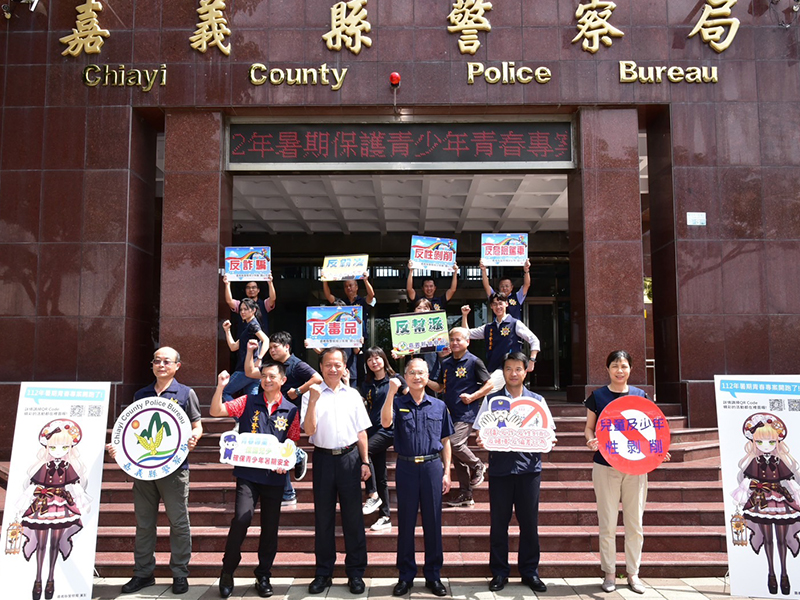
[351,431]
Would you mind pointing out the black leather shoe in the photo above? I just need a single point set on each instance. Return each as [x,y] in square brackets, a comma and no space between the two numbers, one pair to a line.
[36,593]
[785,586]
[138,583]
[402,588]
[356,585]
[225,584]
[319,584]
[180,585]
[50,589]
[497,583]
[436,587]
[264,587]
[772,584]
[536,584]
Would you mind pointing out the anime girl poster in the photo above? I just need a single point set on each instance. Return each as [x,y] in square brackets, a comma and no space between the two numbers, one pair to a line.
[759,430]
[50,516]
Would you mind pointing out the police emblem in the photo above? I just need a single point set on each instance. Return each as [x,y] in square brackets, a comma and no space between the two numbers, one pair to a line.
[437,307]
[512,301]
[461,372]
[281,423]
[505,331]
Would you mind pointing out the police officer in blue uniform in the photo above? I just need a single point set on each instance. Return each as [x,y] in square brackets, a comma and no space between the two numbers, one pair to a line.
[514,483]
[503,335]
[422,427]
[266,413]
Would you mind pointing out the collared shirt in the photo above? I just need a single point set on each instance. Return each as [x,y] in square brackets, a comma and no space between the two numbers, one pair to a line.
[263,309]
[437,302]
[183,395]
[420,428]
[374,394]
[464,375]
[512,463]
[515,302]
[501,341]
[298,372]
[340,417]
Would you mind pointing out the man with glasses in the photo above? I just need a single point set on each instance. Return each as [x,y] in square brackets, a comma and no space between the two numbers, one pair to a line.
[173,489]
[251,290]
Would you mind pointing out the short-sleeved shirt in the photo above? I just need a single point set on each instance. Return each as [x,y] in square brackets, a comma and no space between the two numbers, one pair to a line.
[263,320]
[420,428]
[464,375]
[341,415]
[602,397]
[249,331]
[374,394]
[298,372]
[437,302]
[511,463]
[515,302]
[182,394]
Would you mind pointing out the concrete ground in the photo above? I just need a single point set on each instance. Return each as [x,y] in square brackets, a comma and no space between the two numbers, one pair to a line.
[580,588]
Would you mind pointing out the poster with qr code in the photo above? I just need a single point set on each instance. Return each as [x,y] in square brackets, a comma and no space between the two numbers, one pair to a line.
[53,494]
[759,435]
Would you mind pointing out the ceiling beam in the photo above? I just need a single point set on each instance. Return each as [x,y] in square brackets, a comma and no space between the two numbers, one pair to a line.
[377,186]
[512,204]
[246,205]
[335,205]
[423,203]
[470,199]
[278,183]
[546,215]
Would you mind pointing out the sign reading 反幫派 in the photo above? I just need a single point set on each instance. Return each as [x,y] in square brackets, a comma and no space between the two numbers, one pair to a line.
[248,264]
[257,450]
[758,419]
[329,326]
[520,425]
[419,332]
[504,249]
[339,268]
[151,438]
[433,253]
[53,493]
[633,435]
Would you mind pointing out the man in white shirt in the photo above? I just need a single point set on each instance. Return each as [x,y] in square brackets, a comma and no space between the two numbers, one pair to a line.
[336,422]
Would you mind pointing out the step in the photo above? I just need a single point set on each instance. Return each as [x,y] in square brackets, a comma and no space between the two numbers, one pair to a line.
[456,564]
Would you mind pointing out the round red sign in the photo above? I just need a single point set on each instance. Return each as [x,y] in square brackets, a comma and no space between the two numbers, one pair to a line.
[633,435]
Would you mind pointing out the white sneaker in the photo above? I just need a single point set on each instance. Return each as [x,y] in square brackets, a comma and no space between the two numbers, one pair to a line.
[371,505]
[382,524]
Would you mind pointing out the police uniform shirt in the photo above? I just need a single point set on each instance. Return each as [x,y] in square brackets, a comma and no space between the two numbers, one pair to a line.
[340,417]
[437,302]
[503,337]
[420,428]
[515,302]
[183,395]
[374,394]
[462,376]
[249,331]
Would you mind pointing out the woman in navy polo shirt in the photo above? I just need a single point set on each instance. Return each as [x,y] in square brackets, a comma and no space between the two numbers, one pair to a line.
[251,329]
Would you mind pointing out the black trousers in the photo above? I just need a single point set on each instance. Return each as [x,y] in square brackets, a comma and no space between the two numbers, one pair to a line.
[247,496]
[338,477]
[521,493]
[379,443]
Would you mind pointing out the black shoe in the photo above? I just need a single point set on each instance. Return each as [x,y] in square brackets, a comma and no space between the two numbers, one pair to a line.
[319,584]
[50,589]
[138,583]
[36,593]
[402,588]
[225,584]
[180,585]
[772,584]
[497,583]
[436,587]
[264,587]
[356,585]
[536,584]
[785,587]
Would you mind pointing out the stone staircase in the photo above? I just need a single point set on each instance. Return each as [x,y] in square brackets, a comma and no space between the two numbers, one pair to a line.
[683,522]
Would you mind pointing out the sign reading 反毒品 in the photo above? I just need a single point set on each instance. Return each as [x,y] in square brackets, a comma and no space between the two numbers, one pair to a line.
[433,253]
[53,493]
[504,249]
[413,333]
[758,419]
[633,435]
[340,268]
[329,326]
[248,264]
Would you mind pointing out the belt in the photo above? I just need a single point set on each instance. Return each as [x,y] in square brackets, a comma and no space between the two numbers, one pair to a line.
[336,451]
[418,459]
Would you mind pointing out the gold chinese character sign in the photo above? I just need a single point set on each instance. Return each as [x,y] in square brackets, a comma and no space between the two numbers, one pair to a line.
[593,25]
[212,28]
[87,36]
[711,26]
[467,18]
[349,25]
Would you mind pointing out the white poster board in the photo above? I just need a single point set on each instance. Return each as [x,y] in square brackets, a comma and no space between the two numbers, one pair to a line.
[53,490]
[759,419]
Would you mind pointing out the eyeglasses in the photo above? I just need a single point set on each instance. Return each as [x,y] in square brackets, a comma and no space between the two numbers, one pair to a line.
[166,362]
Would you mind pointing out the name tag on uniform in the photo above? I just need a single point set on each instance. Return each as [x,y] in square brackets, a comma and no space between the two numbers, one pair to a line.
[404,410]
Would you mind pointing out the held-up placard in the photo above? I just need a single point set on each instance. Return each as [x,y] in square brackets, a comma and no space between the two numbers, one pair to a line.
[523,424]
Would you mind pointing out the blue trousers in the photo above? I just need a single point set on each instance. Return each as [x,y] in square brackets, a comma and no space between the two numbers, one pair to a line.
[419,489]
[520,493]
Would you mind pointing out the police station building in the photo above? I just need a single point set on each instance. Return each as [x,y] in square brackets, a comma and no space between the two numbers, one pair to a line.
[641,145]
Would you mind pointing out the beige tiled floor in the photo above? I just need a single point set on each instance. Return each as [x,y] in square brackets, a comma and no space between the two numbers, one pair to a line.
[701,588]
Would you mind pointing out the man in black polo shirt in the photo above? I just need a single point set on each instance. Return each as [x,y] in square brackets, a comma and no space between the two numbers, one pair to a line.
[429,289]
[252,291]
